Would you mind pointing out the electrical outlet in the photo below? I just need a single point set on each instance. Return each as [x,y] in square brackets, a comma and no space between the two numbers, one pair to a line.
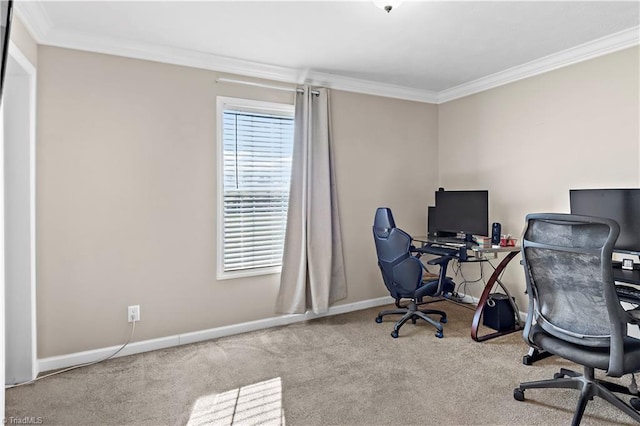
[133,313]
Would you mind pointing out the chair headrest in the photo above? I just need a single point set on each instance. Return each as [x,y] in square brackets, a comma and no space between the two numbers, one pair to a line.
[383,222]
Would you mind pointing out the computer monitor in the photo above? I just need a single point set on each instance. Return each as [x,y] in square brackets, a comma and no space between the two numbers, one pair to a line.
[465,212]
[621,205]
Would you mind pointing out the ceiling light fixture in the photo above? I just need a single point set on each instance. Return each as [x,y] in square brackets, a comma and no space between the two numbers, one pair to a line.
[387,5]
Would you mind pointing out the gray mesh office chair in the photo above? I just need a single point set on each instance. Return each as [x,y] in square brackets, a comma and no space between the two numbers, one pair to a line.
[402,273]
[574,311]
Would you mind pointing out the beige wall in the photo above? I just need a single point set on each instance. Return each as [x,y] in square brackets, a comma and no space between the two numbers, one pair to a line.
[126,181]
[531,141]
[126,201]
[386,155]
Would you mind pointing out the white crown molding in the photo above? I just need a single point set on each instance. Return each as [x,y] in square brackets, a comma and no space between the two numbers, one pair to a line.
[333,81]
[593,49]
[34,17]
[169,55]
[208,61]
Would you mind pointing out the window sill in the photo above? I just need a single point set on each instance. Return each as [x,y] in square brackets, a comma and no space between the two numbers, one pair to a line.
[244,273]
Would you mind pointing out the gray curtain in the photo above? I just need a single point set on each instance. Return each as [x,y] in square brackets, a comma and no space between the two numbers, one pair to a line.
[313,275]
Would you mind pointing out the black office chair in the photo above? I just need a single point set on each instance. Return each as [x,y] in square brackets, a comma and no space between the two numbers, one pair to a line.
[574,311]
[402,272]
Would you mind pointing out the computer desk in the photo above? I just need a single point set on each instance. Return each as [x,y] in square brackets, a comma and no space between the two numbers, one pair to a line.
[479,254]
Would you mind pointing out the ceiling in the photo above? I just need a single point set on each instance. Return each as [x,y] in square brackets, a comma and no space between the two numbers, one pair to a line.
[424,50]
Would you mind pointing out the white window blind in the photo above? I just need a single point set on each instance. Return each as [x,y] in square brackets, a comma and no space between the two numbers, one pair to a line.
[257,149]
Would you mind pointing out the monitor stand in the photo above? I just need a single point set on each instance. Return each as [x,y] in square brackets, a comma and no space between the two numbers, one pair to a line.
[468,238]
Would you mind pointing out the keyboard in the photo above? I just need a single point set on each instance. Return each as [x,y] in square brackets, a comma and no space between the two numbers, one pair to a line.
[439,250]
[454,242]
[628,293]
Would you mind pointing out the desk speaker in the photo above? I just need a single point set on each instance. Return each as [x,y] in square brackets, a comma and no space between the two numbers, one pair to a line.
[496,229]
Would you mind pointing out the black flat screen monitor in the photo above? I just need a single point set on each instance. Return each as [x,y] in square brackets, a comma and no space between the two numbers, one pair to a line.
[465,212]
[621,205]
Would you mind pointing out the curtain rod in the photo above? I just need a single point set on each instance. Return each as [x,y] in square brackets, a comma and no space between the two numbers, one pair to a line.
[266,86]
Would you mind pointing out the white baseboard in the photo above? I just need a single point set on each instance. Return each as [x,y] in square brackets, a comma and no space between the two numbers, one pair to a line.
[69,360]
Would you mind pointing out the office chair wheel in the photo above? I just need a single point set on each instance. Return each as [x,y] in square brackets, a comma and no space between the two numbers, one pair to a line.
[558,375]
[378,319]
[518,394]
[527,360]
[443,320]
[394,334]
[635,403]
[439,334]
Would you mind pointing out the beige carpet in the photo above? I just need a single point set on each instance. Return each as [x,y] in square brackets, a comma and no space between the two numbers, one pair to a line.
[339,370]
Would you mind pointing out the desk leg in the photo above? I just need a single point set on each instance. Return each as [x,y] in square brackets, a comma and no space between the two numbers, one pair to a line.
[483,301]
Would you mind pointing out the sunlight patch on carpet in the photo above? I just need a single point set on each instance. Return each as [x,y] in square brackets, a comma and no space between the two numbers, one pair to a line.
[256,404]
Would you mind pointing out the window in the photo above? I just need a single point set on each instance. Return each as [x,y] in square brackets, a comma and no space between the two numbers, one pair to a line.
[255,143]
